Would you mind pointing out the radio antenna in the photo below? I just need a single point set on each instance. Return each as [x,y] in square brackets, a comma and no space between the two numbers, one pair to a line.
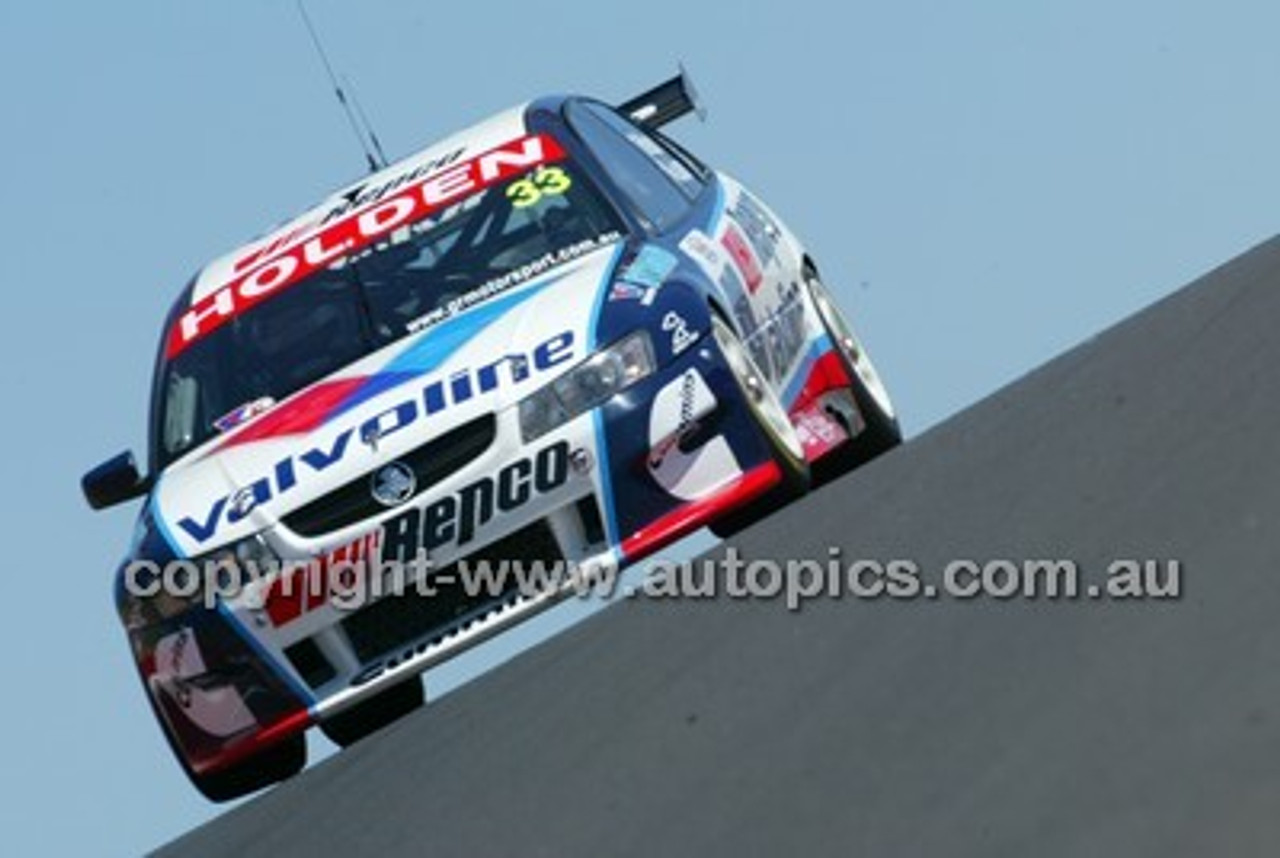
[364,120]
[365,147]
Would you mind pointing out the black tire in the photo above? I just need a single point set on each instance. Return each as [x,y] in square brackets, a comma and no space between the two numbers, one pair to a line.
[775,427]
[881,431]
[348,727]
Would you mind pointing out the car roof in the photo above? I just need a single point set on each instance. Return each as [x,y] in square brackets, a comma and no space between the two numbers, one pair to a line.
[501,128]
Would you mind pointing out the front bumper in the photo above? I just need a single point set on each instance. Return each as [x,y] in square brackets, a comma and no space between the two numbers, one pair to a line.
[598,497]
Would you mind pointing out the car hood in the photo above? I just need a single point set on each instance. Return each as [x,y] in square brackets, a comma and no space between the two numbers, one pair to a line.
[480,360]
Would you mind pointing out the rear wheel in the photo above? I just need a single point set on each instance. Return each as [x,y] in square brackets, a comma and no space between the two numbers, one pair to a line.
[775,427]
[348,727]
[880,432]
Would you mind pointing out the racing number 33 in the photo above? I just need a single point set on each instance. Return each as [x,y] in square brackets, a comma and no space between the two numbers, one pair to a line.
[546,181]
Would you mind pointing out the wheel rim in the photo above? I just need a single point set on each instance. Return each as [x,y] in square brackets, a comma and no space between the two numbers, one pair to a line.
[759,396]
[847,341]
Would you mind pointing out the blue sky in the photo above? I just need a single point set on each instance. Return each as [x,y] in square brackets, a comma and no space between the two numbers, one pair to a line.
[984,185]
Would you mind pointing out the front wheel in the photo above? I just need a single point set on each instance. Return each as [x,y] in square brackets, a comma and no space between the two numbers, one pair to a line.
[880,431]
[775,427]
[347,728]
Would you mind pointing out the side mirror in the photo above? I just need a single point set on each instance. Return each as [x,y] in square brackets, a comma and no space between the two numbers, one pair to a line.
[114,481]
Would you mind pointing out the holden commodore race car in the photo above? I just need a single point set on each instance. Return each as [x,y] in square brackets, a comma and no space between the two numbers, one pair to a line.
[556,336]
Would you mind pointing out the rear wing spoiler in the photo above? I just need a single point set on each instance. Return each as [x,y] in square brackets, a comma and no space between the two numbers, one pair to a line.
[665,103]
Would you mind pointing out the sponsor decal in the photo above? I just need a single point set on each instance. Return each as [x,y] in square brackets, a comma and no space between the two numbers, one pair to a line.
[182,656]
[217,709]
[681,337]
[243,414]
[817,430]
[456,518]
[743,257]
[783,335]
[686,428]
[352,199]
[277,267]
[823,409]
[362,195]
[307,586]
[699,247]
[516,277]
[440,393]
[627,292]
[715,264]
[762,230]
[735,292]
[677,409]
[650,268]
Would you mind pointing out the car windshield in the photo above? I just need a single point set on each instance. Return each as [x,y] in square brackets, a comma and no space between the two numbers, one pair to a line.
[419,274]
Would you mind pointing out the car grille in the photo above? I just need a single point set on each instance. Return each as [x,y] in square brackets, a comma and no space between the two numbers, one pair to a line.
[395,621]
[307,659]
[432,462]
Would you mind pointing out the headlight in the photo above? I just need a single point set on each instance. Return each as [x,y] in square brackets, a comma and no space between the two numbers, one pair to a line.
[247,560]
[164,591]
[591,383]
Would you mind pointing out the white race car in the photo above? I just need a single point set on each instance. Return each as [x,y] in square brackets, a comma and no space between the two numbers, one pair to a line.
[555,336]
